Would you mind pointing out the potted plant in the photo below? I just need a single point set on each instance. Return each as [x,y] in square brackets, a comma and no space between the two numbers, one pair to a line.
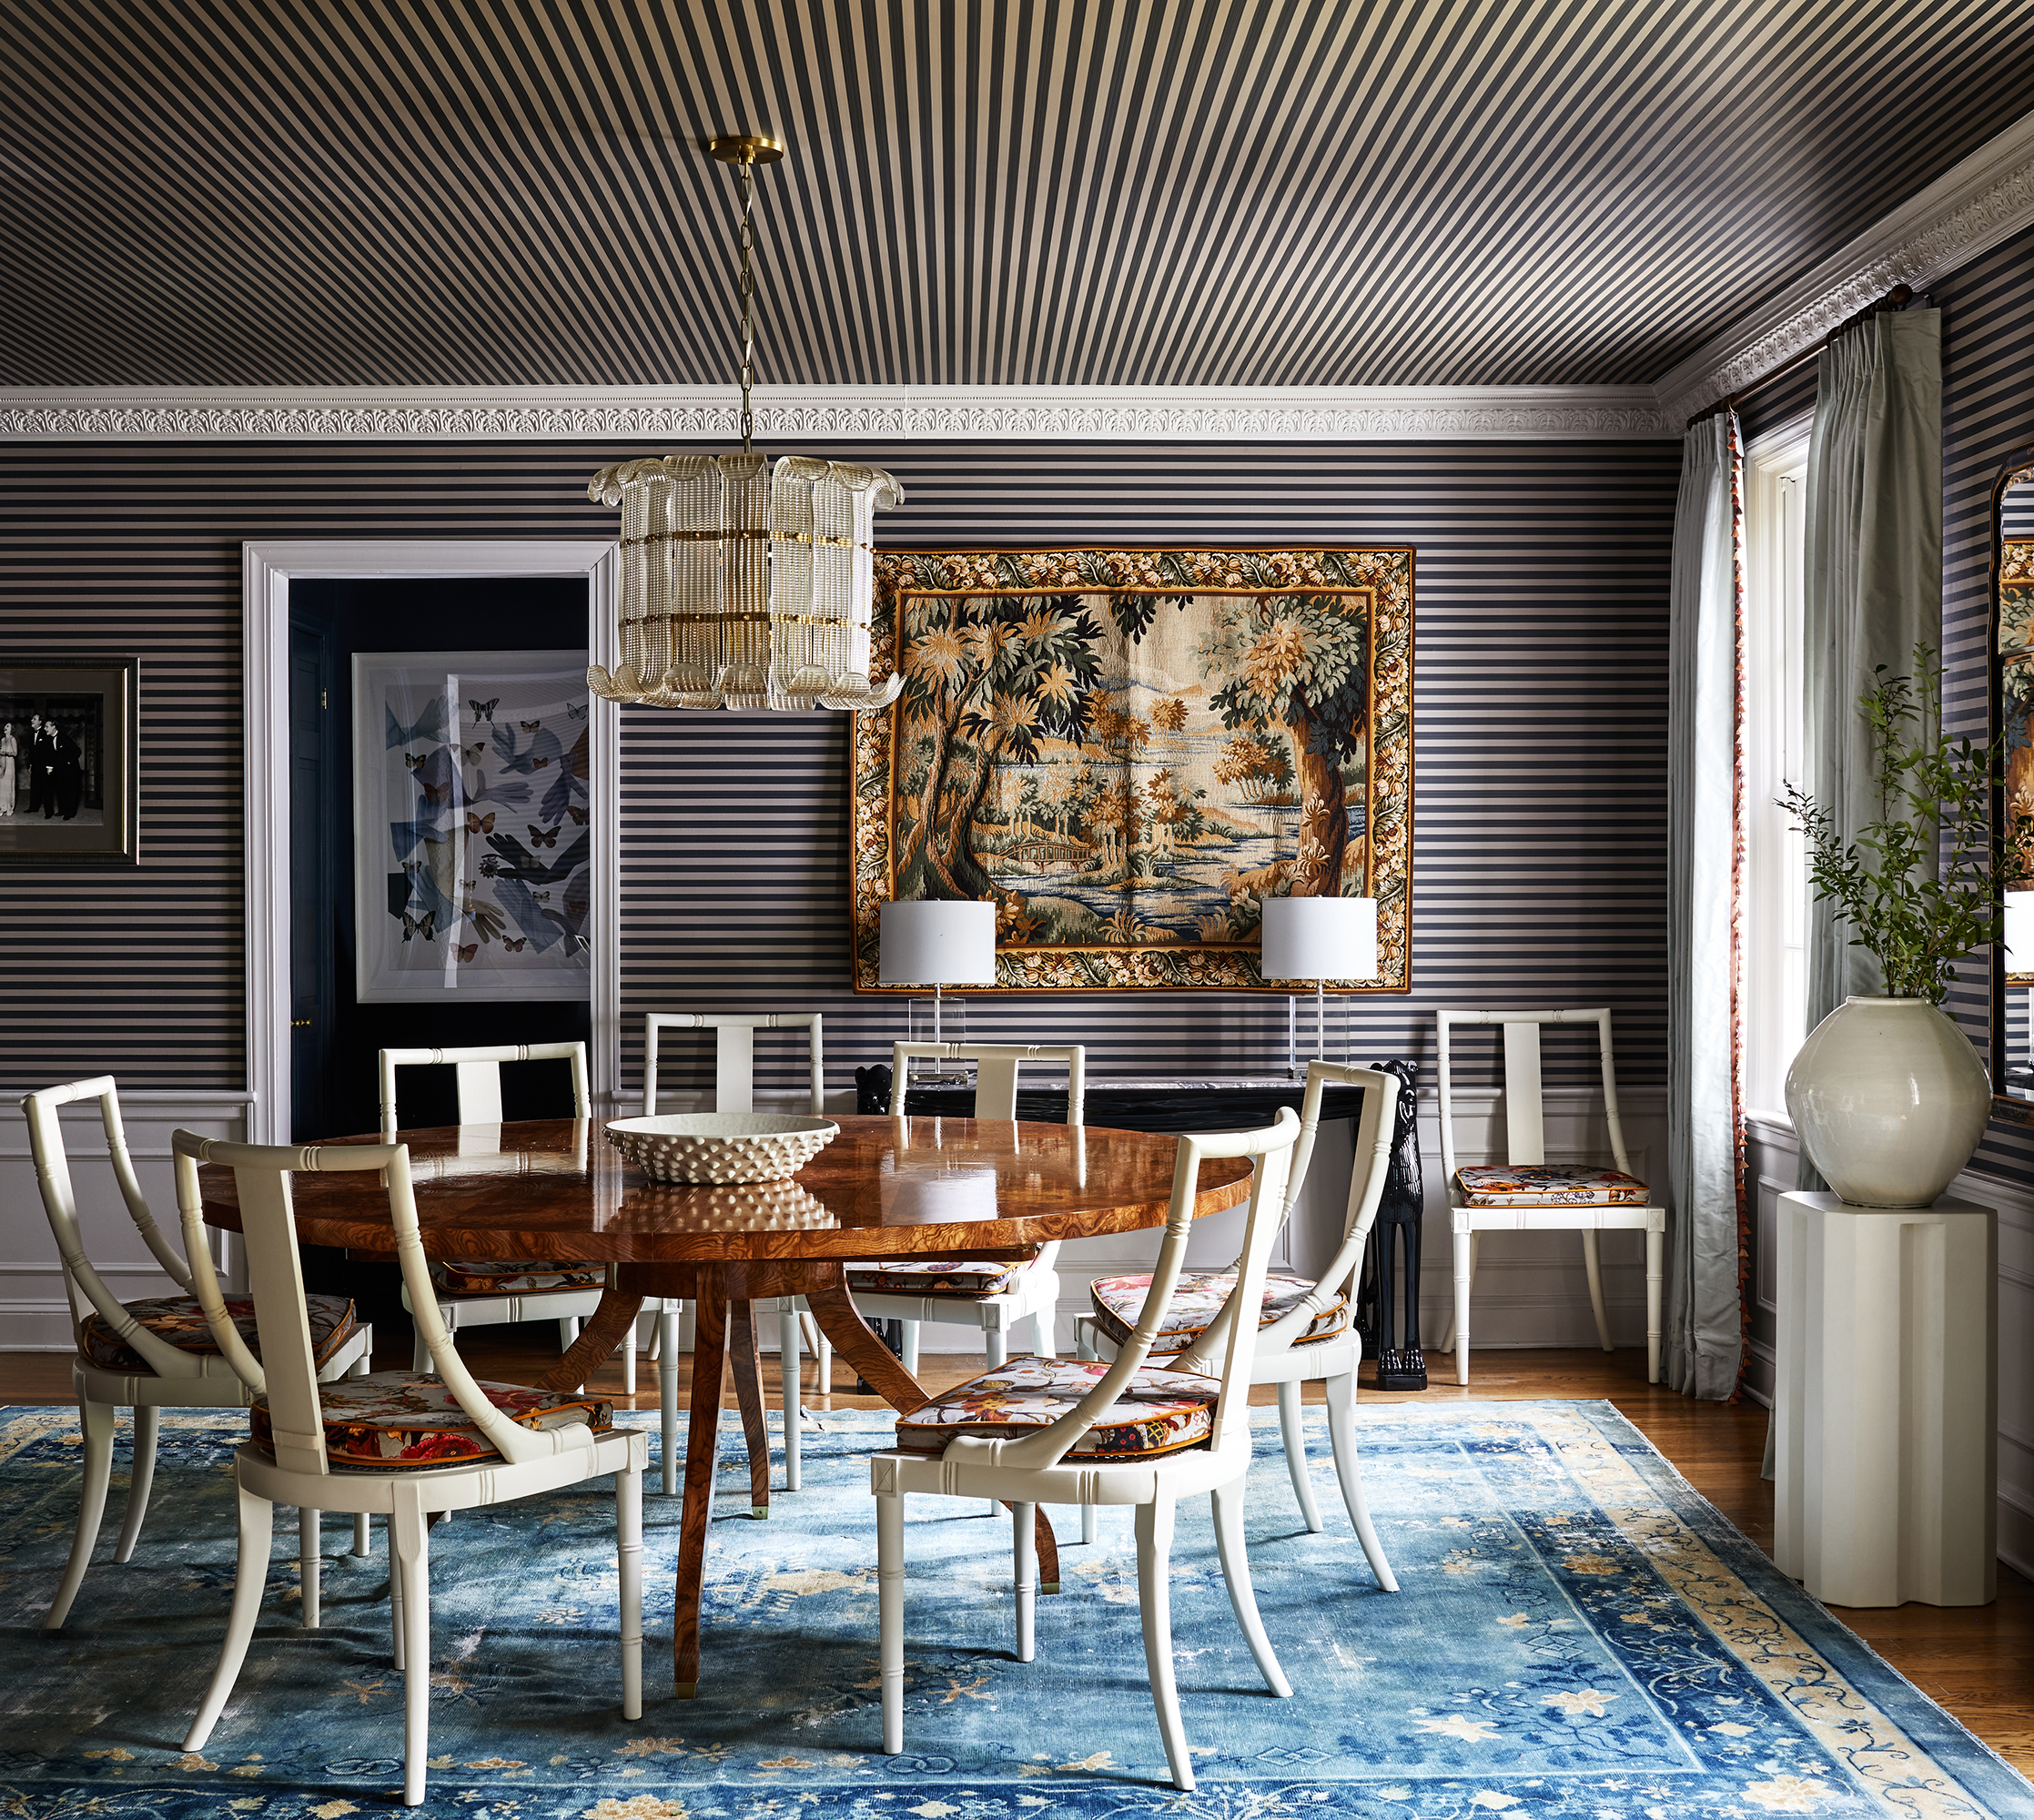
[1888,1096]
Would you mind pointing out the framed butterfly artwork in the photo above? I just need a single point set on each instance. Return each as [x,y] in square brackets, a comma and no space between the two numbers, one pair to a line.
[472,825]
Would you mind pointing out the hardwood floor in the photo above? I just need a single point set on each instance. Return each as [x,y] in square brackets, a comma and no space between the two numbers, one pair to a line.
[1978,1661]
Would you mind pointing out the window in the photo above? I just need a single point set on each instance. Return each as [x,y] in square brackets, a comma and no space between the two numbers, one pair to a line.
[1775,894]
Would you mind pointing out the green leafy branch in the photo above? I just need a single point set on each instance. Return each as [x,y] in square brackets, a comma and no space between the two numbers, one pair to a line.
[1920,887]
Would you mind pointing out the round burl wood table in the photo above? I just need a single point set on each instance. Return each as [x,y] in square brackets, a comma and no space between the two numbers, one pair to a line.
[886,1188]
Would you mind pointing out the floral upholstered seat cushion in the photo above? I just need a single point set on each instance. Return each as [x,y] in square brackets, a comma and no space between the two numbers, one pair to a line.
[973,1280]
[1548,1185]
[1159,1413]
[181,1320]
[394,1420]
[1119,1300]
[514,1276]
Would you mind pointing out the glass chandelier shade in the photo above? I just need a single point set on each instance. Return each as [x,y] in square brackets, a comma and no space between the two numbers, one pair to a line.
[745,584]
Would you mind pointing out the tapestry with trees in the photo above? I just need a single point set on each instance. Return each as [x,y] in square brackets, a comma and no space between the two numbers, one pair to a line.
[1127,751]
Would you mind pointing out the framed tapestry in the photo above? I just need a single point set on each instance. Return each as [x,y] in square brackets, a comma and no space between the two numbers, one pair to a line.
[1127,751]
[69,761]
[472,840]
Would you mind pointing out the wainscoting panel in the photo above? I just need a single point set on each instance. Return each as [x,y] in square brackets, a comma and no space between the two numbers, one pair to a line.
[35,1316]
[1772,1165]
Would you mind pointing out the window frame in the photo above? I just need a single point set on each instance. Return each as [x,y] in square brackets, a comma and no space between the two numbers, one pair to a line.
[1775,868]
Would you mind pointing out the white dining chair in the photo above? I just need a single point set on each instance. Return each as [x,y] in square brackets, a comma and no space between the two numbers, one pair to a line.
[994,1297]
[380,1444]
[735,1091]
[494,1292]
[1306,1334]
[1026,1433]
[1525,1194]
[152,1354]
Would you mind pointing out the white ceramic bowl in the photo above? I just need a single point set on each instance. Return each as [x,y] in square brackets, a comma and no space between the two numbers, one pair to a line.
[720,1147]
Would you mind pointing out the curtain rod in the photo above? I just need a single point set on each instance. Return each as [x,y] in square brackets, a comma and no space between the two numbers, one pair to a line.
[1901,297]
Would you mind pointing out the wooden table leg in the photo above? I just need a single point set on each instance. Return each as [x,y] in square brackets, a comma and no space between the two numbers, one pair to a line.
[701,1448]
[841,1321]
[596,1343]
[744,1357]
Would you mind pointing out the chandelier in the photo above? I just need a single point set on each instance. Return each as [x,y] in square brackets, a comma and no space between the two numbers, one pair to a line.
[745,584]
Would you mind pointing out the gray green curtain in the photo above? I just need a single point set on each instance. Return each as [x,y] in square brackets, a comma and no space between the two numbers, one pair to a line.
[1704,1324]
[1873,587]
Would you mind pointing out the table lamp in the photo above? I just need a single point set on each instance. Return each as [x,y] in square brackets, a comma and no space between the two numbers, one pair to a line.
[929,942]
[1317,938]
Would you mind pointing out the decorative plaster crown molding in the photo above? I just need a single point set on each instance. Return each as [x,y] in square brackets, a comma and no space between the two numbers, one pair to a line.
[877,413]
[1986,199]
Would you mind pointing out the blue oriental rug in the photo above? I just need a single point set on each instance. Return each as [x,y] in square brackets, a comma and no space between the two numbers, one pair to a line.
[1580,1637]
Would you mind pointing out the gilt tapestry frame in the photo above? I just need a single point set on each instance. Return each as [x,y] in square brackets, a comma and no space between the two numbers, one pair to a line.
[1128,749]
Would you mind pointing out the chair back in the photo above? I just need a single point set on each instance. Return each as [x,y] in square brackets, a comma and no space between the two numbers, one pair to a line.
[287,1371]
[1235,1341]
[1524,1119]
[479,1077]
[733,1052]
[996,1073]
[87,1290]
[1374,1129]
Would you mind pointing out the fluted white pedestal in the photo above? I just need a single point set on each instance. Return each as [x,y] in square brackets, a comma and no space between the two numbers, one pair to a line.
[1887,1401]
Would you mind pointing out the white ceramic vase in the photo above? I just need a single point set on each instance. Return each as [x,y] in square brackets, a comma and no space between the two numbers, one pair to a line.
[1889,1100]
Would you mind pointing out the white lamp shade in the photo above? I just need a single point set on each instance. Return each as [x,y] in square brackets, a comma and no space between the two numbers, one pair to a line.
[933,942]
[2019,932]
[1319,938]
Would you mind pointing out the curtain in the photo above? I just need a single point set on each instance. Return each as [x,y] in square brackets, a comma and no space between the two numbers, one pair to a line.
[1873,589]
[1704,1320]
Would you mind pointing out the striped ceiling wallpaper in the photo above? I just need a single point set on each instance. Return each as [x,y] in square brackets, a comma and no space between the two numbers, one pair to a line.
[1153,192]
[1541,715]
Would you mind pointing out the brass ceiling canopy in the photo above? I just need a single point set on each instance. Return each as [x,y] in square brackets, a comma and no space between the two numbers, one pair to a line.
[745,148]
[745,584]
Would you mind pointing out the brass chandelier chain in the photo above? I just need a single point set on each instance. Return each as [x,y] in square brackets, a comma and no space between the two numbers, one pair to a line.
[747,169]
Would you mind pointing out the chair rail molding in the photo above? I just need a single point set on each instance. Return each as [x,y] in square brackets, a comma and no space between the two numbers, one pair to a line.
[888,413]
[267,571]
[1963,214]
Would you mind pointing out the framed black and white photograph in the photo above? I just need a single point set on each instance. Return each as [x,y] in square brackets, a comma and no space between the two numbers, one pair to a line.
[69,782]
[471,825]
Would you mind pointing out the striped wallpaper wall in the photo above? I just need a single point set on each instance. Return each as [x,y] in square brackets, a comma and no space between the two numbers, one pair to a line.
[1772,404]
[1988,411]
[1540,716]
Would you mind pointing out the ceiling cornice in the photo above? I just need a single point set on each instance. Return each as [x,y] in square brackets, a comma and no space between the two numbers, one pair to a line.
[1986,199]
[875,413]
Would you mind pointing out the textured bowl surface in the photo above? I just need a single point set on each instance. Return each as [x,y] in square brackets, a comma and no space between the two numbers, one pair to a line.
[720,1147]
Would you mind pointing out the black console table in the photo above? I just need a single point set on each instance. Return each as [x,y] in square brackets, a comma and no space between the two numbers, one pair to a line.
[1154,1103]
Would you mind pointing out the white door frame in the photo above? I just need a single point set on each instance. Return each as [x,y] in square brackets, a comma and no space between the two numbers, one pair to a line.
[267,571]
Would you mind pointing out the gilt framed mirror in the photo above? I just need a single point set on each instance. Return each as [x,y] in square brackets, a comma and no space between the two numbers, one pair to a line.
[2012,697]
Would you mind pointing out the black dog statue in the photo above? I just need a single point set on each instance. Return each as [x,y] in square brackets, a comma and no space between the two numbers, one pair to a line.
[1393,1256]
